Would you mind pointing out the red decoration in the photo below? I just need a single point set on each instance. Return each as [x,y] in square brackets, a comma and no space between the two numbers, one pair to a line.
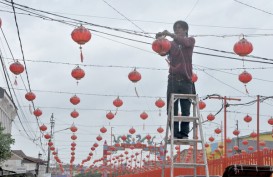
[160,103]
[250,148]
[210,117]
[16,68]
[103,130]
[245,142]
[247,118]
[160,130]
[132,130]
[43,128]
[236,148]
[161,46]
[245,77]
[236,132]
[118,102]
[75,100]
[253,135]
[78,73]
[81,35]
[211,139]
[95,145]
[30,96]
[93,148]
[74,137]
[148,137]
[73,144]
[262,143]
[228,140]
[242,47]
[217,130]
[110,115]
[52,148]
[47,136]
[37,112]
[50,143]
[270,121]
[134,76]
[194,77]
[202,104]
[124,138]
[206,145]
[144,115]
[99,138]
[73,128]
[74,114]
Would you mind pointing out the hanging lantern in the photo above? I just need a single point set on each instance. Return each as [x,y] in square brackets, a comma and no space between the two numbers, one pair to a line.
[211,139]
[262,143]
[99,138]
[74,137]
[210,117]
[247,118]
[243,47]
[73,128]
[72,153]
[52,148]
[245,77]
[93,148]
[160,130]
[194,77]
[250,148]
[74,114]
[75,100]
[161,46]
[110,115]
[118,102]
[201,104]
[73,144]
[217,130]
[270,121]
[143,115]
[134,76]
[159,103]
[77,73]
[47,136]
[236,132]
[148,137]
[43,128]
[245,142]
[103,130]
[16,68]
[253,135]
[228,140]
[206,145]
[132,130]
[54,153]
[95,145]
[30,96]
[221,146]
[37,112]
[50,143]
[81,35]
[124,138]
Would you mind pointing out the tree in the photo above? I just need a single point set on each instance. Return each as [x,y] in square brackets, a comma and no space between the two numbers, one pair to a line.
[5,142]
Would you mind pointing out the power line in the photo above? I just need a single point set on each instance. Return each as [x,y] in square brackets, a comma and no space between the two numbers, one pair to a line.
[253,7]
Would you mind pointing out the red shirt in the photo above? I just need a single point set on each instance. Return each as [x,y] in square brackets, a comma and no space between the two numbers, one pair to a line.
[180,57]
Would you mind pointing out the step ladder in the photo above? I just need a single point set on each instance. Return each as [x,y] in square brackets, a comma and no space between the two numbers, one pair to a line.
[197,123]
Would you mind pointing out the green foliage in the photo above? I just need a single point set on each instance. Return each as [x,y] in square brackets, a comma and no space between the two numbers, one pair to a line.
[5,142]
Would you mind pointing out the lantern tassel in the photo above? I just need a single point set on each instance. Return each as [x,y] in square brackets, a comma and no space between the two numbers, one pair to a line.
[159,112]
[15,81]
[246,89]
[136,92]
[116,111]
[81,55]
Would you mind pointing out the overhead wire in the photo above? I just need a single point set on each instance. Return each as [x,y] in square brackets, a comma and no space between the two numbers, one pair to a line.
[261,10]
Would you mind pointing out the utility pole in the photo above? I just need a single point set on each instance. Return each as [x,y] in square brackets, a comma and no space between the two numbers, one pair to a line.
[225,116]
[52,123]
[237,127]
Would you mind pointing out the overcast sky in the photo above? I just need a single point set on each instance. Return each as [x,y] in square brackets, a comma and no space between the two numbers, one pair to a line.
[51,54]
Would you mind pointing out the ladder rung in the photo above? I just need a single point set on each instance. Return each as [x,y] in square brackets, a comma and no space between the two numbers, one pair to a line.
[189,165]
[185,119]
[185,96]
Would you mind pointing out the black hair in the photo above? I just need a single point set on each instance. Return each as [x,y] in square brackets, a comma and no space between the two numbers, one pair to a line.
[183,24]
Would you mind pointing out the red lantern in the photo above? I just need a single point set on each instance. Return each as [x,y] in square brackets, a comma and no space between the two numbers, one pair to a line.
[37,112]
[73,144]
[206,145]
[50,143]
[74,137]
[95,145]
[160,103]
[99,138]
[236,148]
[194,77]
[75,100]
[210,117]
[262,143]
[144,115]
[221,146]
[78,73]
[132,130]
[160,130]
[103,130]
[245,142]
[72,153]
[43,128]
[270,121]
[148,137]
[93,148]
[243,47]
[202,105]
[236,132]
[73,128]
[16,68]
[124,138]
[134,76]
[52,148]
[245,77]
[228,140]
[253,135]
[47,136]
[217,130]
[247,118]
[161,46]
[74,114]
[211,139]
[118,102]
[54,153]
[30,96]
[110,115]
[250,148]
[81,35]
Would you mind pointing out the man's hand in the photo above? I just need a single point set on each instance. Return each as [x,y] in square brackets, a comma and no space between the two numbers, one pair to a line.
[158,35]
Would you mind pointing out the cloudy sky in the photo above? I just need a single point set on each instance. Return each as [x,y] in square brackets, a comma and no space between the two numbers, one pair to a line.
[51,54]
